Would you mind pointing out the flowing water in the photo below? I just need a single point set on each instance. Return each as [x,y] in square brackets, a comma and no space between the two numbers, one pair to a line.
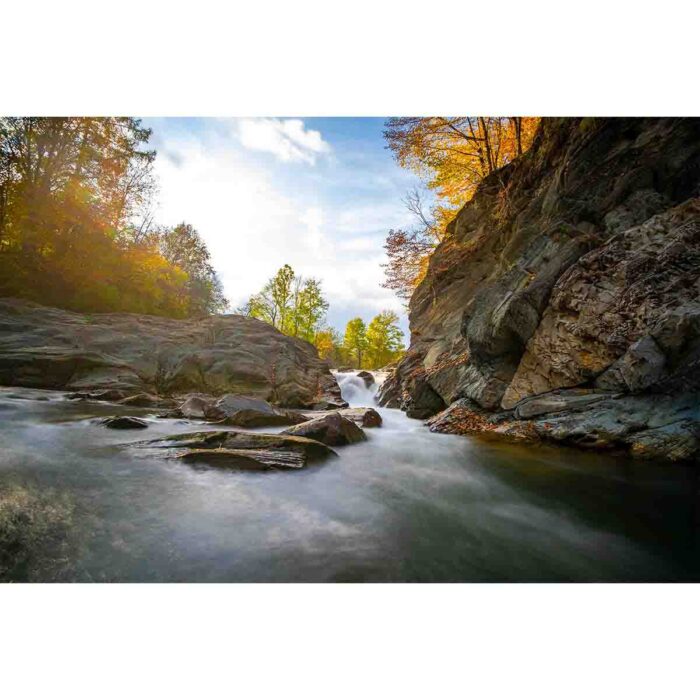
[407,505]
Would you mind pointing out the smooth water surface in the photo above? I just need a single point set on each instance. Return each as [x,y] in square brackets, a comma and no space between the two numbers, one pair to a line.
[407,505]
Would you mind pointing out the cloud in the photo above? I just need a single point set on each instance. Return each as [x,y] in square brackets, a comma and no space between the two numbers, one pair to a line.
[286,139]
[255,217]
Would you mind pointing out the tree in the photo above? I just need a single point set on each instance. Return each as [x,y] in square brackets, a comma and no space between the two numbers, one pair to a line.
[183,246]
[384,340]
[71,190]
[408,252]
[290,303]
[452,155]
[330,346]
[355,340]
[308,310]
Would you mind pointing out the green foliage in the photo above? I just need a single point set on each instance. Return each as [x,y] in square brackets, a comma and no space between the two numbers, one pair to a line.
[355,340]
[384,340]
[290,303]
[71,190]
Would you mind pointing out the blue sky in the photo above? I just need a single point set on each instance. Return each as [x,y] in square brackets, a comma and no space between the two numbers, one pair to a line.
[319,194]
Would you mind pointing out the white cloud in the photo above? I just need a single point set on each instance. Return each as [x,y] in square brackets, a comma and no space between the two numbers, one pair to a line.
[253,224]
[287,139]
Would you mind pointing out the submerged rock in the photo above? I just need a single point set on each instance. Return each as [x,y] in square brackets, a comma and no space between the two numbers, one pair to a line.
[124,423]
[331,429]
[49,348]
[367,378]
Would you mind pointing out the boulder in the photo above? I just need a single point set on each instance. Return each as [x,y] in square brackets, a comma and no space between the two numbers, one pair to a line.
[331,429]
[247,412]
[367,377]
[364,417]
[124,423]
[49,348]
[197,407]
[242,411]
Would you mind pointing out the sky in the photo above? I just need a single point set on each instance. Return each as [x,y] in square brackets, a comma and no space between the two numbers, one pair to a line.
[318,194]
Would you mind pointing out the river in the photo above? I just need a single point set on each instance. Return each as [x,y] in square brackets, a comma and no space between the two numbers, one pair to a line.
[405,506]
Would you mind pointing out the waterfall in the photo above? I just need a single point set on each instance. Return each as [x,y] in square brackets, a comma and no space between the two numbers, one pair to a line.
[354,390]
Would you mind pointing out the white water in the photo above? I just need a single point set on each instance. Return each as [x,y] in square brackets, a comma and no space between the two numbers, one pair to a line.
[355,391]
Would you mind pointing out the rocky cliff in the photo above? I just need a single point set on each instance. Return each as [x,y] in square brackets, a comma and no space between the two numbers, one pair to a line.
[54,349]
[564,302]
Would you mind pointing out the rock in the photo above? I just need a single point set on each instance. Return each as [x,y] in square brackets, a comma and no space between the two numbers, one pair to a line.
[330,405]
[424,401]
[557,402]
[124,423]
[311,450]
[577,266]
[103,395]
[331,429]
[364,417]
[253,413]
[197,407]
[44,347]
[603,309]
[146,401]
[249,460]
[367,377]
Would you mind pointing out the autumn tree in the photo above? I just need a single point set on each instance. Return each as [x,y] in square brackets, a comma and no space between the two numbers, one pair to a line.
[408,250]
[71,192]
[384,340]
[452,155]
[183,247]
[329,344]
[355,340]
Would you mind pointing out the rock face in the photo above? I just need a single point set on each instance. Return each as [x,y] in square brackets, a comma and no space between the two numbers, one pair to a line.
[331,429]
[53,349]
[570,286]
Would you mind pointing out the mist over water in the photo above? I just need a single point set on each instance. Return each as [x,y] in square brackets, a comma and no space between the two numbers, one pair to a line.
[407,505]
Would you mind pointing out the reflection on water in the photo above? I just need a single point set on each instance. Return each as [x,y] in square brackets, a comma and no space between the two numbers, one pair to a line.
[406,505]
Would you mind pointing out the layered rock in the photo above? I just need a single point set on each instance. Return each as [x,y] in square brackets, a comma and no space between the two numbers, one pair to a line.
[573,276]
[145,355]
[240,450]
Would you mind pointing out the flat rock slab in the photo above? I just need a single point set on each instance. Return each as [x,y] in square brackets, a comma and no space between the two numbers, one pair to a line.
[248,460]
[311,450]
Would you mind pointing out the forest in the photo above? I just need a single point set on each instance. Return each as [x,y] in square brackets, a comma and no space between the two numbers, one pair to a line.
[296,306]
[76,229]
